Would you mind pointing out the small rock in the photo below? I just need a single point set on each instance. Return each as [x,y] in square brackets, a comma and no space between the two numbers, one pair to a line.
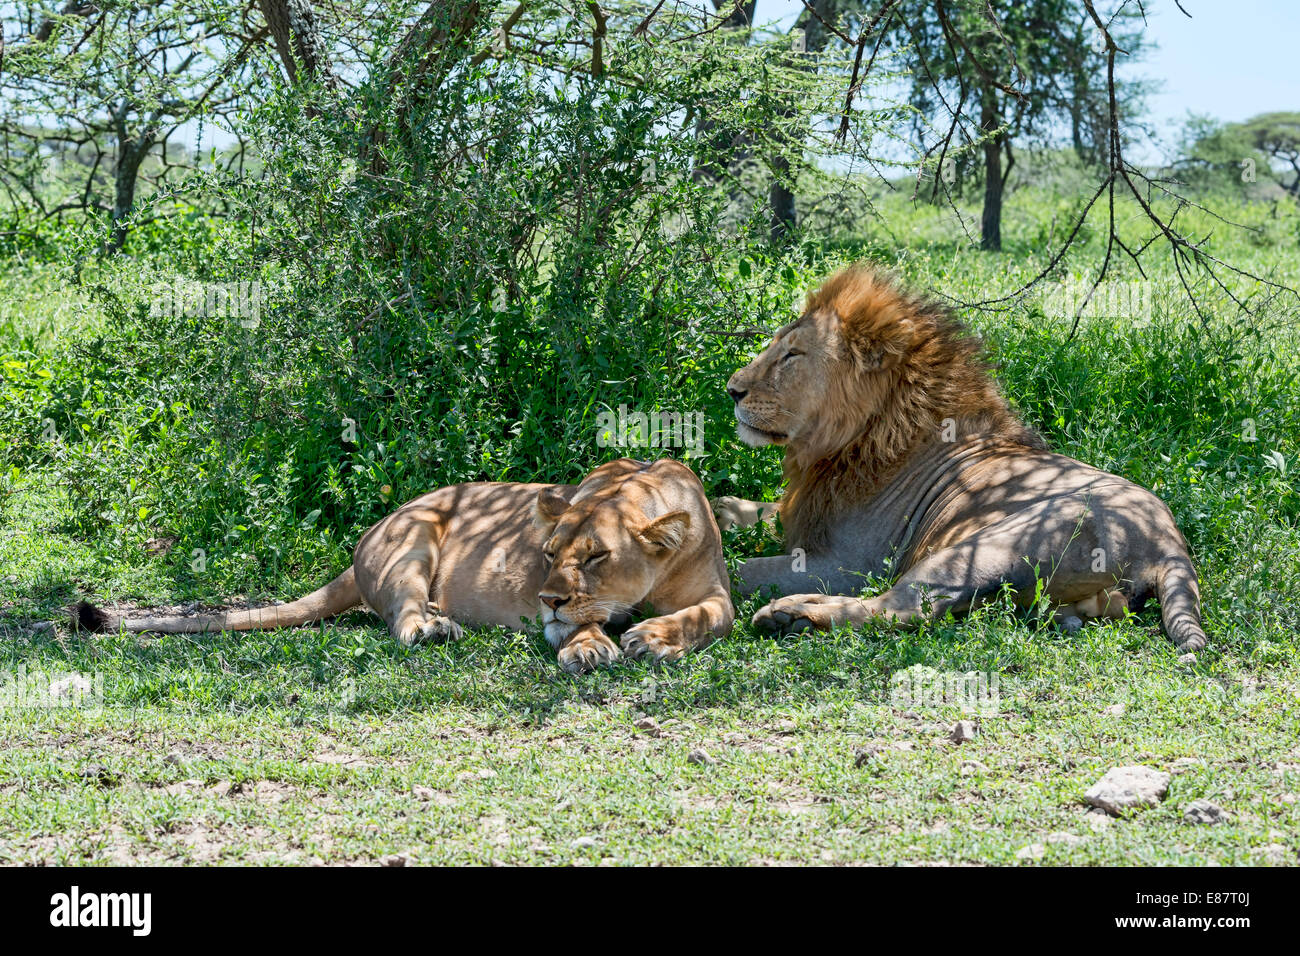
[174,758]
[1036,851]
[1115,710]
[583,843]
[1188,658]
[701,756]
[962,731]
[73,687]
[1276,854]
[1128,788]
[43,626]
[970,768]
[1183,764]
[1098,819]
[648,725]
[395,859]
[1203,811]
[422,793]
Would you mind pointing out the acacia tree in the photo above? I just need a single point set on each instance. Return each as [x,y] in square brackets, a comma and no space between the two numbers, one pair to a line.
[1277,136]
[990,72]
[107,86]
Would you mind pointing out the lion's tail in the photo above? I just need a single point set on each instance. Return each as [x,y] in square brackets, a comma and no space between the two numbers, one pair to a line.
[1180,603]
[334,598]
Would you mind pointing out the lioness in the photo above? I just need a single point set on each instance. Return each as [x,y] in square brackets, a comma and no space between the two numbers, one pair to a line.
[902,458]
[631,534]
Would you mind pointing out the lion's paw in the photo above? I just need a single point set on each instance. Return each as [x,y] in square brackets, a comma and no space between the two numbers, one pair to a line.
[587,649]
[658,638]
[802,612]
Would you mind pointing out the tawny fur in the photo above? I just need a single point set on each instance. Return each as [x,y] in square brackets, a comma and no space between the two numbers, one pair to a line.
[932,369]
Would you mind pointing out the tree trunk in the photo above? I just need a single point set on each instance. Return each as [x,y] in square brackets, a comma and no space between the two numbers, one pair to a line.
[130,155]
[725,148]
[781,196]
[297,38]
[781,199]
[991,221]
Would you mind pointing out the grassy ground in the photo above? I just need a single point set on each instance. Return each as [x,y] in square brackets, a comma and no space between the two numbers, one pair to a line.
[331,744]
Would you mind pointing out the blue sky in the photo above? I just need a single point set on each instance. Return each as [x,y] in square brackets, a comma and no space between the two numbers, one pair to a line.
[1232,59]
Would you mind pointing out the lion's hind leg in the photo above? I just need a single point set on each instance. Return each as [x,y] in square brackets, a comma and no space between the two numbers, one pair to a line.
[974,570]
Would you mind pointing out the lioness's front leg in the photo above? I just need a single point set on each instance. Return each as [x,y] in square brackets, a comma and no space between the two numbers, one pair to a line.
[587,648]
[668,637]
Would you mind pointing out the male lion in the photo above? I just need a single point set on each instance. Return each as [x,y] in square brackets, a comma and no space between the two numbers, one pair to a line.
[902,457]
[631,534]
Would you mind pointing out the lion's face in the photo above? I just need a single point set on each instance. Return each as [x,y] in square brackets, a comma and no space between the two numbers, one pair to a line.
[780,394]
[603,556]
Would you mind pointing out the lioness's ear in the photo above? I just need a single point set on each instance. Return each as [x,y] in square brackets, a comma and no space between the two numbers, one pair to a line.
[548,508]
[665,533]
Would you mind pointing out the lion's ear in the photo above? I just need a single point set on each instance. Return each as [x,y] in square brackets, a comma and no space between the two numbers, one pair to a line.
[875,346]
[548,508]
[665,533]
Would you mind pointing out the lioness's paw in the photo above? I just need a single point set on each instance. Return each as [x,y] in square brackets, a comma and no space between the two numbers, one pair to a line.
[434,629]
[658,638]
[587,649]
[442,628]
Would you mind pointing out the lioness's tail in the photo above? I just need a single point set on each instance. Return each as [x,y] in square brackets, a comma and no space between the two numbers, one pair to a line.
[1180,603]
[334,598]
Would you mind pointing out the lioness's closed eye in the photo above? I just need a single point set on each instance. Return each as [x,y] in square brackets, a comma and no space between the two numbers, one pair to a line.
[632,534]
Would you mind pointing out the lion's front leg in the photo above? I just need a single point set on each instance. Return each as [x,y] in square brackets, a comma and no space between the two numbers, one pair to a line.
[733,512]
[668,637]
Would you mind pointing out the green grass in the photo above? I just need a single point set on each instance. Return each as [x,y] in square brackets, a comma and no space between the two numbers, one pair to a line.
[331,743]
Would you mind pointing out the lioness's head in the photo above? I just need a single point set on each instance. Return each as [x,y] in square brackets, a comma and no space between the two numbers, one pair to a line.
[603,556]
[823,375]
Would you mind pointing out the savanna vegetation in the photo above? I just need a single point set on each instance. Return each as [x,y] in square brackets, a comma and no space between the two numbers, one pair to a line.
[434,243]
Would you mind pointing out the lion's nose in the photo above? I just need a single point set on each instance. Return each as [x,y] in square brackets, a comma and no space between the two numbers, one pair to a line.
[553,601]
[736,393]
